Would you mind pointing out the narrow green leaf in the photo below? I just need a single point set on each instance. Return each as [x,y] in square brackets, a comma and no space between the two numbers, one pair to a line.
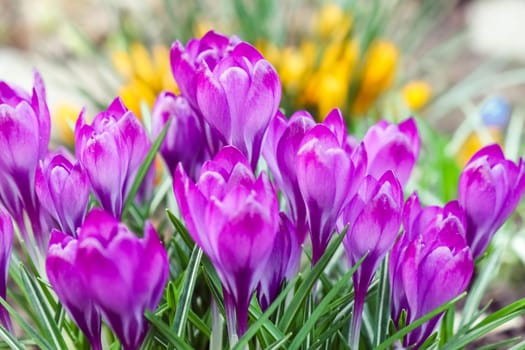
[197,322]
[308,283]
[144,168]
[410,327]
[280,343]
[322,307]
[519,346]
[39,340]
[262,319]
[503,344]
[166,332]
[10,339]
[181,229]
[184,303]
[477,291]
[41,305]
[383,305]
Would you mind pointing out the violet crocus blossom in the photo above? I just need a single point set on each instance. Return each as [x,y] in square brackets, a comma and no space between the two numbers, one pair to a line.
[112,149]
[185,141]
[490,188]
[6,244]
[429,265]
[69,283]
[126,275]
[238,98]
[186,61]
[233,216]
[392,147]
[282,264]
[281,145]
[374,219]
[326,178]
[63,190]
[24,138]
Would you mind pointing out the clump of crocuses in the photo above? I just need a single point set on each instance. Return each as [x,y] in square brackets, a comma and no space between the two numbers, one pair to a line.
[233,216]
[108,273]
[25,127]
[429,265]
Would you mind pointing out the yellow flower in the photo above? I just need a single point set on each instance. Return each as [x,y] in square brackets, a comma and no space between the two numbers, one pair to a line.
[333,22]
[145,74]
[416,94]
[378,73]
[64,118]
[475,142]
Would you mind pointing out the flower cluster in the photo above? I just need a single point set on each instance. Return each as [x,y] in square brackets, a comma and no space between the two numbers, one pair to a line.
[216,129]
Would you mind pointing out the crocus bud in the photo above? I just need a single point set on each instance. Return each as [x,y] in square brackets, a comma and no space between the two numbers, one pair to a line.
[112,149]
[63,190]
[282,264]
[281,144]
[126,275]
[69,283]
[429,265]
[238,97]
[490,188]
[324,174]
[6,244]
[234,218]
[374,219]
[392,147]
[185,141]
[24,138]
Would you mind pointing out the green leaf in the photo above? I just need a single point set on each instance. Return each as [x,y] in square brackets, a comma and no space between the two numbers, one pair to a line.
[410,327]
[197,322]
[383,305]
[477,291]
[166,332]
[503,344]
[10,339]
[144,168]
[184,303]
[41,306]
[181,229]
[39,340]
[262,320]
[308,283]
[322,307]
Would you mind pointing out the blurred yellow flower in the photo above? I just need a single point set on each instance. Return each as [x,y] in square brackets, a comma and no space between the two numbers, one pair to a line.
[333,22]
[476,141]
[378,73]
[64,118]
[145,75]
[416,94]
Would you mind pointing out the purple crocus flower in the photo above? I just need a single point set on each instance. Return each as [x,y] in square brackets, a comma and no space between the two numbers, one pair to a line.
[281,145]
[238,98]
[185,141]
[6,244]
[69,283]
[234,218]
[392,147]
[63,190]
[429,265]
[374,219]
[126,275]
[112,149]
[186,61]
[490,188]
[325,176]
[24,138]
[282,264]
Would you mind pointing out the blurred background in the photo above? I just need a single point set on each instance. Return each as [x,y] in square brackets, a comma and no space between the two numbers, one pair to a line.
[455,65]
